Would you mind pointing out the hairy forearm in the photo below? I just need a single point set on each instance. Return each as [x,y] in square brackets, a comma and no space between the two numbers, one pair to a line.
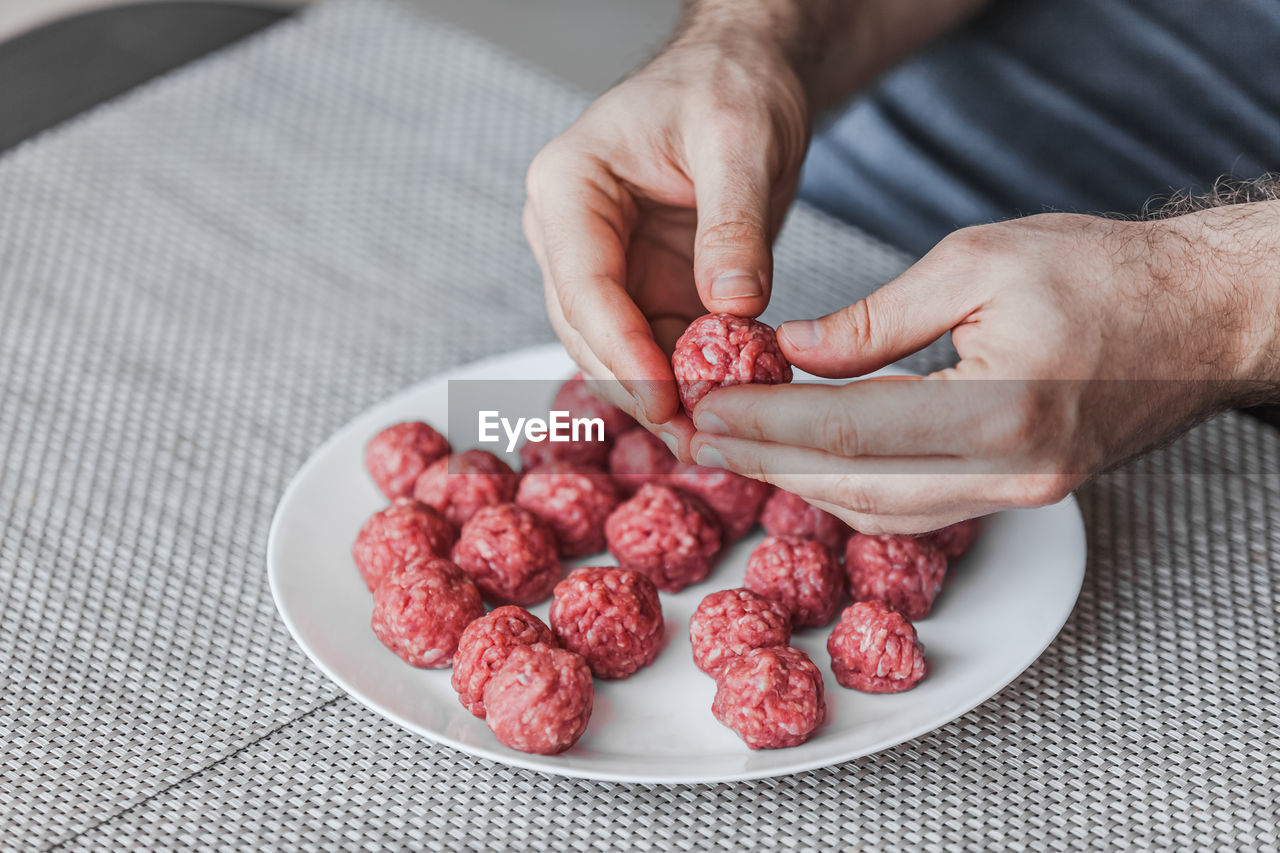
[1232,250]
[835,46]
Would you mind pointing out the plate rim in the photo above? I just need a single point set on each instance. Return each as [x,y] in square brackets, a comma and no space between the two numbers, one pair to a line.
[539,763]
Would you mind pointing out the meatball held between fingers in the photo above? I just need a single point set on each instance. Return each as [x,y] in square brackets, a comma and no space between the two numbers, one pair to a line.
[719,350]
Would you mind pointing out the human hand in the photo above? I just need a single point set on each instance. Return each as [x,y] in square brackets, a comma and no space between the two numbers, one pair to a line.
[1097,339]
[661,203]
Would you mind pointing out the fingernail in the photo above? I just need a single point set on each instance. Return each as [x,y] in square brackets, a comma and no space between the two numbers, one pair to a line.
[709,422]
[736,285]
[709,457]
[672,443]
[801,333]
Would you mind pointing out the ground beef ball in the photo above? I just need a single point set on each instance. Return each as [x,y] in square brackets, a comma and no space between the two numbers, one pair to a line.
[799,573]
[955,540]
[719,350]
[875,650]
[461,483]
[575,397]
[639,457]
[771,697]
[584,451]
[540,699]
[484,647]
[573,501]
[786,514]
[397,455]
[735,500]
[902,571]
[611,617]
[731,622]
[669,536]
[420,612]
[396,536]
[510,554]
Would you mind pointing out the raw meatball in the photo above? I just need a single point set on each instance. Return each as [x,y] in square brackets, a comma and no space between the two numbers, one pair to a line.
[461,483]
[735,500]
[609,616]
[639,457]
[786,514]
[669,536]
[771,697]
[902,571]
[540,699]
[800,574]
[731,622]
[955,540]
[420,612]
[585,452]
[397,455]
[510,554]
[484,647]
[573,501]
[875,650]
[396,536]
[718,350]
[575,397]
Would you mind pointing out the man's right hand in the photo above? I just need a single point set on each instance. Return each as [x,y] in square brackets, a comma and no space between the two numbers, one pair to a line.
[660,204]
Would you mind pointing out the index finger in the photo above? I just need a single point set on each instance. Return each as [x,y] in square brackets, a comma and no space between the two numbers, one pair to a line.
[584,224]
[889,416]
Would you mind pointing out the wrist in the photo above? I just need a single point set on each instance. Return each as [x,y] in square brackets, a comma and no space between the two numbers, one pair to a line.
[751,46]
[1228,260]
[781,37]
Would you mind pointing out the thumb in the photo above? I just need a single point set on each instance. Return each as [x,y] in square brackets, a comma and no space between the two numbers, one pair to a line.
[732,260]
[900,318]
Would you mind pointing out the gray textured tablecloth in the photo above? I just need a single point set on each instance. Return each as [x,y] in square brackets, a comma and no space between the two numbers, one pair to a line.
[200,282]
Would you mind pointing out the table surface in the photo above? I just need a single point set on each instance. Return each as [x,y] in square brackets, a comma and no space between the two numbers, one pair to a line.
[205,278]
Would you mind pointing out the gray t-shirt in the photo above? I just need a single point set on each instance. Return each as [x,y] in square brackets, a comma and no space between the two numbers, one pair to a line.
[1090,106]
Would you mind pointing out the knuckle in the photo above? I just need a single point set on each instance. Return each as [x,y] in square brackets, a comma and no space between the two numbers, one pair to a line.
[570,299]
[732,234]
[723,124]
[1040,488]
[1023,424]
[857,325]
[840,434]
[872,525]
[973,244]
[546,169]
[855,498]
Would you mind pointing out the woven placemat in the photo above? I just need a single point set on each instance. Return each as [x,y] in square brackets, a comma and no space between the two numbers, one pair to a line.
[201,281]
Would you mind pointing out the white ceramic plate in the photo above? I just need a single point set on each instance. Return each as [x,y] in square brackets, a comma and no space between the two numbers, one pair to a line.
[1002,606]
